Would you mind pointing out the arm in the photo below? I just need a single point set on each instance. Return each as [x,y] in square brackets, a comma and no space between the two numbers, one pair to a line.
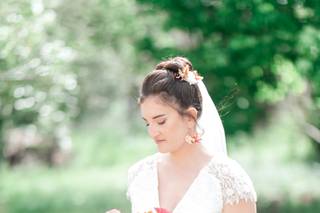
[241,207]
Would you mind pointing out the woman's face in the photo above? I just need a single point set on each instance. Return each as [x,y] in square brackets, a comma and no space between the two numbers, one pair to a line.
[165,125]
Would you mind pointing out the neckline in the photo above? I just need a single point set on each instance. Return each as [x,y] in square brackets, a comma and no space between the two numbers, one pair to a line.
[188,189]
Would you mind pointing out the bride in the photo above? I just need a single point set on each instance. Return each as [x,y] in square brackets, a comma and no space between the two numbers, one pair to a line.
[191,172]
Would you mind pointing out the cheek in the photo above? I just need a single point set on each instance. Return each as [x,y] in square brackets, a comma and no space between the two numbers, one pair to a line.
[176,131]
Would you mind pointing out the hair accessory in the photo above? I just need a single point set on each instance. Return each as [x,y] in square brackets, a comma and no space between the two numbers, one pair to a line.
[188,75]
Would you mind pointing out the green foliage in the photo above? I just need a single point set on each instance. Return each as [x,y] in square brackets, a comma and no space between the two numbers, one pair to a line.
[106,143]
[60,61]
[266,49]
[57,190]
[93,182]
[66,61]
[38,86]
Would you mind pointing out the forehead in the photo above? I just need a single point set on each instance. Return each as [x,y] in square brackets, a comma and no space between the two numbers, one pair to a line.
[153,106]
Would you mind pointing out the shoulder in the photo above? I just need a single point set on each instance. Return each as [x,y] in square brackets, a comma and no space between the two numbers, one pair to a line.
[144,164]
[235,183]
[139,169]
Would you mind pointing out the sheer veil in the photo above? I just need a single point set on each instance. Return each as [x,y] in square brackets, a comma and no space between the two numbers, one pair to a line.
[213,136]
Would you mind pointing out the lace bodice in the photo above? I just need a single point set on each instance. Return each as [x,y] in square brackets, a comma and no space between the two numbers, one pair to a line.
[222,181]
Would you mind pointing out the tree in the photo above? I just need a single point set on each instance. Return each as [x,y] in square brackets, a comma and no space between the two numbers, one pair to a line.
[61,62]
[267,50]
[38,87]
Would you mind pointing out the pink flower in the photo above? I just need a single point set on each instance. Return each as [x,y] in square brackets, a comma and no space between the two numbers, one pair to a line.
[161,210]
[157,210]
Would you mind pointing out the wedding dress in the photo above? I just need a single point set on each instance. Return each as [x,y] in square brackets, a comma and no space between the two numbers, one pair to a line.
[222,181]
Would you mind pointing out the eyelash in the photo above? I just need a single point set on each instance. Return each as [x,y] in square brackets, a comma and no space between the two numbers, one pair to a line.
[160,123]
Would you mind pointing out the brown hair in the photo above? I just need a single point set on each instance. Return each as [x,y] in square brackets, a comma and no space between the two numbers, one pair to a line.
[164,82]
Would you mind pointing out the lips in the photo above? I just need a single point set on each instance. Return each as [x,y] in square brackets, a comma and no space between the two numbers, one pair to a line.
[159,141]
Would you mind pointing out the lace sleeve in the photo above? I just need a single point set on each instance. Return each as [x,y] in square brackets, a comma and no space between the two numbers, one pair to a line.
[235,184]
[132,173]
[135,169]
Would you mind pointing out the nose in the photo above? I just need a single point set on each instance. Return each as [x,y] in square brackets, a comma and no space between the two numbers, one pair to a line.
[153,131]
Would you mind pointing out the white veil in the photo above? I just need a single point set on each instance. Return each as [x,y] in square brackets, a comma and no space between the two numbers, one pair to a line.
[210,124]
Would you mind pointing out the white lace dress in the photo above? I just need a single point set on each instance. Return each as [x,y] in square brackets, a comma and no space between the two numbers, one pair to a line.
[221,181]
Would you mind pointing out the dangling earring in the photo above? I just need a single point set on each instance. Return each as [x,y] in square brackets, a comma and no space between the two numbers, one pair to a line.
[189,139]
[192,139]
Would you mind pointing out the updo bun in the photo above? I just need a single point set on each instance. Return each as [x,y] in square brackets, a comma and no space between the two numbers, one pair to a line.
[165,82]
[175,64]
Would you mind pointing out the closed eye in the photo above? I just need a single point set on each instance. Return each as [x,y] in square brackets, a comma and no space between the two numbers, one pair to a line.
[162,122]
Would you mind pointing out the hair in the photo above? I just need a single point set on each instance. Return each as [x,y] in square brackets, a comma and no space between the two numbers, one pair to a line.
[164,82]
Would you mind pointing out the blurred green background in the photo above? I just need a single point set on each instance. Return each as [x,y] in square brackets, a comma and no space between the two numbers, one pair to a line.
[69,79]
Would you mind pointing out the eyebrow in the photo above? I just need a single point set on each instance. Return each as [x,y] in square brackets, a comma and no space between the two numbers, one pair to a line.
[157,116]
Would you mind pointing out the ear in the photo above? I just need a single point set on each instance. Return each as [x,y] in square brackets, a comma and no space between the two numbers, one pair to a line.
[191,116]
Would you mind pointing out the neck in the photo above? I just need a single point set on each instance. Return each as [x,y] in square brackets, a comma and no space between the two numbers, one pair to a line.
[189,154]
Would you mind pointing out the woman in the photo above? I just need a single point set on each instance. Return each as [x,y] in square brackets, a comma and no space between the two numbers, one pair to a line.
[192,172]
